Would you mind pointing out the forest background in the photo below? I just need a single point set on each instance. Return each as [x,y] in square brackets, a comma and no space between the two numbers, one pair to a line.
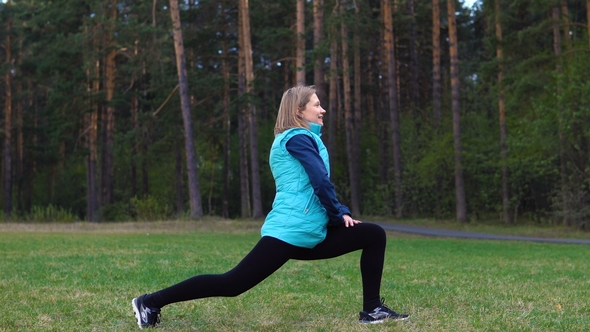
[434,109]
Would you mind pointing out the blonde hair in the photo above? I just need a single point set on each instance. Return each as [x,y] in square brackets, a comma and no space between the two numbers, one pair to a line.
[295,99]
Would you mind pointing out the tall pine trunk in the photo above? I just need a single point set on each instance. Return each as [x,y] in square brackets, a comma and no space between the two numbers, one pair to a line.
[32,171]
[300,58]
[560,128]
[108,174]
[251,110]
[436,50]
[415,95]
[319,69]
[226,128]
[388,42]
[144,139]
[502,115]
[179,183]
[383,123]
[8,120]
[436,94]
[246,210]
[348,116]
[356,110]
[333,98]
[196,208]
[19,176]
[135,126]
[93,200]
[133,151]
[565,18]
[461,204]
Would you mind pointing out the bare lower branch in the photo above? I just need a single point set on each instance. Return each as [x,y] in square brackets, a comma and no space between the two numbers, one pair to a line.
[166,101]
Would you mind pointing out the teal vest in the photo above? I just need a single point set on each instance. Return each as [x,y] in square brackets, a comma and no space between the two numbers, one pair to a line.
[297,216]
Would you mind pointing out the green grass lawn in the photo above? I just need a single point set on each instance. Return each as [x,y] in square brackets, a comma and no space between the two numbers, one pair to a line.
[82,277]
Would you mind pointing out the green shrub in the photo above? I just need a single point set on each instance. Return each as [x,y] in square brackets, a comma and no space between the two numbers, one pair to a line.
[119,211]
[570,207]
[50,213]
[149,208]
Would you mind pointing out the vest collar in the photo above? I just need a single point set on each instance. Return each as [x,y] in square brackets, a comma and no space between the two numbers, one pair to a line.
[315,128]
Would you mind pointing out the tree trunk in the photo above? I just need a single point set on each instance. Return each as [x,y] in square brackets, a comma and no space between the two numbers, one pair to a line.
[436,81]
[318,35]
[226,128]
[191,155]
[565,19]
[502,115]
[144,139]
[8,121]
[454,53]
[370,115]
[136,142]
[251,111]
[19,144]
[333,104]
[413,58]
[93,203]
[108,175]
[93,199]
[300,62]
[246,211]
[145,178]
[32,171]
[560,128]
[135,128]
[257,212]
[388,39]
[356,111]
[348,116]
[436,93]
[179,188]
[383,119]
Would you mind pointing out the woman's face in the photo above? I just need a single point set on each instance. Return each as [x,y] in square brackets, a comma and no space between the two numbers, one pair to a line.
[313,111]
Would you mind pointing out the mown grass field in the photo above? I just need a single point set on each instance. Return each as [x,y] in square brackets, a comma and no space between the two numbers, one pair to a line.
[82,277]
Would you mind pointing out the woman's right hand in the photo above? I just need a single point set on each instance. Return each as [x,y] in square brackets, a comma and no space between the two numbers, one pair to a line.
[349,222]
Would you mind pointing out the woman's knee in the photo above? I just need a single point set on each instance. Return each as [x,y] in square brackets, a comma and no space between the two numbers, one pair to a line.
[375,232]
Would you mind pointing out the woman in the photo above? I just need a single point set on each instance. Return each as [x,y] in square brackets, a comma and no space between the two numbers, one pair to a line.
[307,222]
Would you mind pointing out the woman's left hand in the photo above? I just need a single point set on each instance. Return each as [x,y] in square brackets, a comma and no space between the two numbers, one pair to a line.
[349,222]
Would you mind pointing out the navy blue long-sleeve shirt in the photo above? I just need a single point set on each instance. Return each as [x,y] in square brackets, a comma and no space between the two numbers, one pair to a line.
[304,148]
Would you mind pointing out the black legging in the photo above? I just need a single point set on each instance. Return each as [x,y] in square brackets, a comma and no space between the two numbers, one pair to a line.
[270,254]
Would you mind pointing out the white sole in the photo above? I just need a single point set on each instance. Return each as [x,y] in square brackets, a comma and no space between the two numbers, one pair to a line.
[384,320]
[136,313]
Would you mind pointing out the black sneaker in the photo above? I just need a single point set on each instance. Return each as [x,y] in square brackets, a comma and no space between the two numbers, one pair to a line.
[380,314]
[145,316]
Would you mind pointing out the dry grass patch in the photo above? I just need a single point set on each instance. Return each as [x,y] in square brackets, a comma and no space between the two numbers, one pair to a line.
[166,226]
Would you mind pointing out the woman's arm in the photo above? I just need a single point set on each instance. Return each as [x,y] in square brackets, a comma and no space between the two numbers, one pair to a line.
[303,148]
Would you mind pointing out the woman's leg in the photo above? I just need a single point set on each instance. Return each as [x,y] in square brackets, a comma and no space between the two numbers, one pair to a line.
[266,257]
[341,240]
